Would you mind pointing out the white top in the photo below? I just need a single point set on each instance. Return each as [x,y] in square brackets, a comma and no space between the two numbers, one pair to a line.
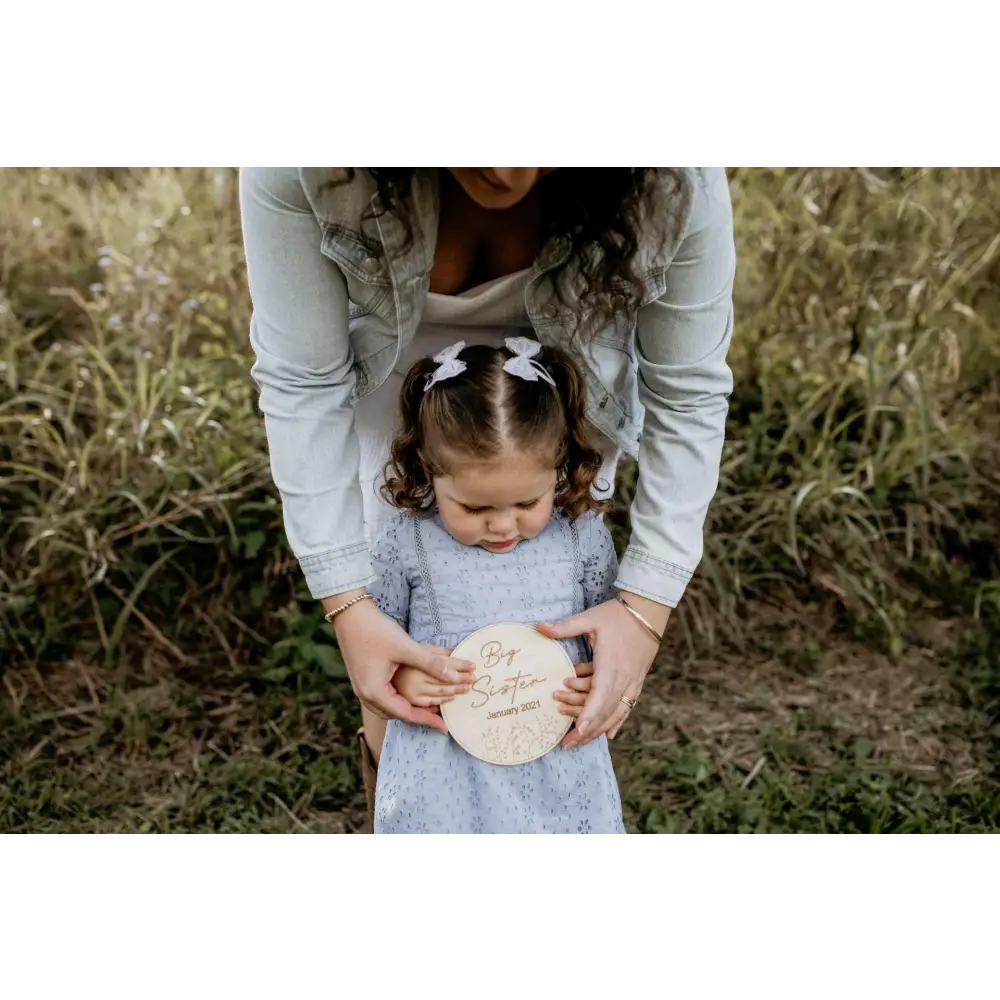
[485,314]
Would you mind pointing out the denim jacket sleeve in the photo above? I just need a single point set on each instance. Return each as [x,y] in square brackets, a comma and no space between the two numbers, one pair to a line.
[682,341]
[299,333]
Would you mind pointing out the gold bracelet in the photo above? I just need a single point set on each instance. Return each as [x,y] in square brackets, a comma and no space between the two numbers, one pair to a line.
[330,615]
[640,619]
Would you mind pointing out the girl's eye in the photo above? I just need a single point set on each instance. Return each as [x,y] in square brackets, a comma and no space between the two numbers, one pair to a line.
[529,505]
[473,510]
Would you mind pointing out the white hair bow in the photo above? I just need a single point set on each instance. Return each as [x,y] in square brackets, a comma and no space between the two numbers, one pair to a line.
[448,365]
[523,364]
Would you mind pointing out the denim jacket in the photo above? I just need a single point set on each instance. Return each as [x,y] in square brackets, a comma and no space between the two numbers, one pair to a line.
[338,294]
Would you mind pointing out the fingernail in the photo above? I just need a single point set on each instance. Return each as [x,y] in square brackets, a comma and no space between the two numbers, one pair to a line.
[582,727]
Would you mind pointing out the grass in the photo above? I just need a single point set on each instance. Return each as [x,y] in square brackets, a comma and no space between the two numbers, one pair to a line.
[835,667]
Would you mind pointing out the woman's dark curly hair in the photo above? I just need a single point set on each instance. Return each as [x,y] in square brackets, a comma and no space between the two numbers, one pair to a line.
[597,213]
[484,413]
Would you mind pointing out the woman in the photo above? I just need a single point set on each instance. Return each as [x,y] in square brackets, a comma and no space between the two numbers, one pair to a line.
[356,272]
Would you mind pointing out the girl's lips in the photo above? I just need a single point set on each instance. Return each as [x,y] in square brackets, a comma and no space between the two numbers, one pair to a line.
[501,546]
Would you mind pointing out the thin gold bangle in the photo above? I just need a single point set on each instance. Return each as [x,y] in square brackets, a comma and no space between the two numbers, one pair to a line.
[640,619]
[330,615]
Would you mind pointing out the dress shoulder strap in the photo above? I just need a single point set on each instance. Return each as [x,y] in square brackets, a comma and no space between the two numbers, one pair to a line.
[425,573]
[578,568]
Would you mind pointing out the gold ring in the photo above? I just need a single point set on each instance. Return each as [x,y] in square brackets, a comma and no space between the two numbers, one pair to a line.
[626,700]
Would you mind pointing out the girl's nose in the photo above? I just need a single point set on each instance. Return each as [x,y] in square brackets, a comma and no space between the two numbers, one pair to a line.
[500,524]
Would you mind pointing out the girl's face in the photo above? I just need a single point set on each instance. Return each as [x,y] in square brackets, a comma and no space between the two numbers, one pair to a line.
[498,503]
[498,187]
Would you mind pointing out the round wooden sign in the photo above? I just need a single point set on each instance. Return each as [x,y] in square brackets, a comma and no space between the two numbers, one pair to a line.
[509,716]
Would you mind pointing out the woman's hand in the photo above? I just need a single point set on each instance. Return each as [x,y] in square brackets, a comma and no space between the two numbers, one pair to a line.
[374,647]
[623,653]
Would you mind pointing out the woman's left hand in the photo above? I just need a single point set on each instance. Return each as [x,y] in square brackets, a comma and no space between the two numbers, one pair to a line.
[623,653]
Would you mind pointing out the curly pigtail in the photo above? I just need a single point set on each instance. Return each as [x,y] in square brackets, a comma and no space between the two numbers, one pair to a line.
[407,480]
[579,461]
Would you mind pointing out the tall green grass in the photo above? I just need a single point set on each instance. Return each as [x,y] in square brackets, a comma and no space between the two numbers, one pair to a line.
[861,456]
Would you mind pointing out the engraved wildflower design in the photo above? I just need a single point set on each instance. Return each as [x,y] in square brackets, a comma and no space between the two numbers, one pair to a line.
[495,746]
[523,741]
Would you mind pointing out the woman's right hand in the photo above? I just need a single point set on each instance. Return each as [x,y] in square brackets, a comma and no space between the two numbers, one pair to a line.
[374,647]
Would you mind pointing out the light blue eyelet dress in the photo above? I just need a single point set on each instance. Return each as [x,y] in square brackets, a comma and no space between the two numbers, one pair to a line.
[440,591]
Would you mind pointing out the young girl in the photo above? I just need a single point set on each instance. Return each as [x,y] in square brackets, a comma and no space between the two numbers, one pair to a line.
[493,472]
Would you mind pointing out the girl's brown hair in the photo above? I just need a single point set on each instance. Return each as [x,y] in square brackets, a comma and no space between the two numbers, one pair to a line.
[486,412]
